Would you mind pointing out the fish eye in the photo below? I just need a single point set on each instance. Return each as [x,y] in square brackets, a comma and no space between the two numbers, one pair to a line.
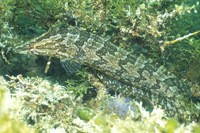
[30,48]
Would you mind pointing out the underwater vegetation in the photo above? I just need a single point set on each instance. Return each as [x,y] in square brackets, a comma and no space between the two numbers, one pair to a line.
[46,103]
[48,107]
[193,74]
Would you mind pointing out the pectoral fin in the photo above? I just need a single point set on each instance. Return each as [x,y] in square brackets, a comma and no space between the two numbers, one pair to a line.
[70,66]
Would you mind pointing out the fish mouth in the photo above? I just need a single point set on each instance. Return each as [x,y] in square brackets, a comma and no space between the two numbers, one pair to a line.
[21,49]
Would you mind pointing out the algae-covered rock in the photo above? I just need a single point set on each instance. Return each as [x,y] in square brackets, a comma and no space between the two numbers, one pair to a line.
[9,123]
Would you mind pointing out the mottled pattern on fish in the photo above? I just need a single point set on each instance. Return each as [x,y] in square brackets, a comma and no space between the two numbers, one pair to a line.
[145,79]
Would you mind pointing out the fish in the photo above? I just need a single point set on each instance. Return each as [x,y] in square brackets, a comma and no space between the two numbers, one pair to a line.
[144,80]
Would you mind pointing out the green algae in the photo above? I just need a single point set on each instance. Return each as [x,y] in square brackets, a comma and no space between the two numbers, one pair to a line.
[85,114]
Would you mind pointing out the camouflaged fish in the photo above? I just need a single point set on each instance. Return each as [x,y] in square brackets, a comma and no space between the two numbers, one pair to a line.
[144,80]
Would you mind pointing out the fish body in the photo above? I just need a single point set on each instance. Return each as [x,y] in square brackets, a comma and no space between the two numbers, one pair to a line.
[145,80]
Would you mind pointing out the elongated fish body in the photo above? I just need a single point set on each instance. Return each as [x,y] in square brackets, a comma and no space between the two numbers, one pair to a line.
[145,80]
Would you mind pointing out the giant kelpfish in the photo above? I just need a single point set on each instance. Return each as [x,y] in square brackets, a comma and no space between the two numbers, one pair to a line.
[134,76]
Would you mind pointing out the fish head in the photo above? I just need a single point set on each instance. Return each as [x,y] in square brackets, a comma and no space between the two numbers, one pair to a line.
[49,44]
